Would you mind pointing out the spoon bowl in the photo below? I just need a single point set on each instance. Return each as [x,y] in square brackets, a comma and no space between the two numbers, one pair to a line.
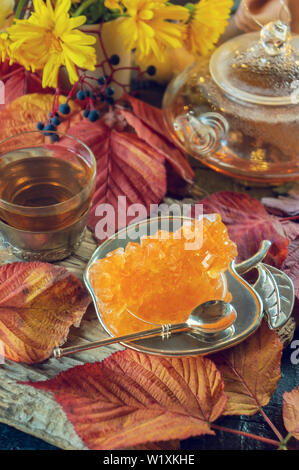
[212,317]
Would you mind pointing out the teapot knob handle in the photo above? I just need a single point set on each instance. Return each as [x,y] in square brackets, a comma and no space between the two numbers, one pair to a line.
[275,37]
[203,134]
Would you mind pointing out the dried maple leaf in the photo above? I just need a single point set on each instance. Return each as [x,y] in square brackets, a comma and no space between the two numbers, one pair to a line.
[248,223]
[251,371]
[38,304]
[291,412]
[111,403]
[129,171]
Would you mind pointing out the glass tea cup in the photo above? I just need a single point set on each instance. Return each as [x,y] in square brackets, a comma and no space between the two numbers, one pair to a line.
[46,189]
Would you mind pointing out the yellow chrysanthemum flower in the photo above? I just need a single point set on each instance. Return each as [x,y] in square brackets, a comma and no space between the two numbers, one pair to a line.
[49,39]
[208,21]
[152,26]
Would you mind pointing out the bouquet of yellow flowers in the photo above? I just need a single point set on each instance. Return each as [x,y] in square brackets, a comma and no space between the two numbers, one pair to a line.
[44,35]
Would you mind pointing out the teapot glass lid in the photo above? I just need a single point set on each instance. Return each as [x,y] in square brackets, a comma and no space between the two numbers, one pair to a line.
[260,68]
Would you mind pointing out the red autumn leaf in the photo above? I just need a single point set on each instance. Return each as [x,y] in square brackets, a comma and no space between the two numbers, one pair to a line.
[248,224]
[129,171]
[290,412]
[6,68]
[291,263]
[291,268]
[251,371]
[111,403]
[38,304]
[148,123]
[291,230]
[284,205]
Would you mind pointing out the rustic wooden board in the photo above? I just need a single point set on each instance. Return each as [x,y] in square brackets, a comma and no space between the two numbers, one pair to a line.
[36,412]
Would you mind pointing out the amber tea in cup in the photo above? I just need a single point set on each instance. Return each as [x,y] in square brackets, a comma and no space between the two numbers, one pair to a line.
[45,193]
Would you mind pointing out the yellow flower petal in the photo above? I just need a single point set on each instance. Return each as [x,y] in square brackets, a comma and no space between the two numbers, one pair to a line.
[70,66]
[77,21]
[61,7]
[51,69]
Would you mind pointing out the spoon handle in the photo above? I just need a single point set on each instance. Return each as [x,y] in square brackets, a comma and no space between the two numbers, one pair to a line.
[165,331]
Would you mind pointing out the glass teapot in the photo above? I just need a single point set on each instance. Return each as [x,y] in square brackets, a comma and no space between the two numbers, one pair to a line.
[238,111]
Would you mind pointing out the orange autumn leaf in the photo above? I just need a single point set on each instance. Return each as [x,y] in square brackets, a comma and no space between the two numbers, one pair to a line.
[22,114]
[112,403]
[38,304]
[251,371]
[291,412]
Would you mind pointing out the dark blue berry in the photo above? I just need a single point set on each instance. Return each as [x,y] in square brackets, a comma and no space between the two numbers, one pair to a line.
[93,115]
[110,100]
[109,91]
[54,137]
[102,80]
[102,97]
[86,113]
[114,59]
[151,70]
[40,126]
[81,95]
[49,127]
[64,108]
[87,93]
[56,121]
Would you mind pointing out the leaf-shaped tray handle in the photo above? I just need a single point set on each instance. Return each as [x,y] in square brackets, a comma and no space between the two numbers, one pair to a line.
[278,294]
[274,287]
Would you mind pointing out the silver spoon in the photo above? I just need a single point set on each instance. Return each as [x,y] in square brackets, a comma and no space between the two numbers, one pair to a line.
[209,318]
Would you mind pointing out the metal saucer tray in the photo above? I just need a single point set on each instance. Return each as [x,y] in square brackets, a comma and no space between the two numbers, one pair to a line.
[271,297]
